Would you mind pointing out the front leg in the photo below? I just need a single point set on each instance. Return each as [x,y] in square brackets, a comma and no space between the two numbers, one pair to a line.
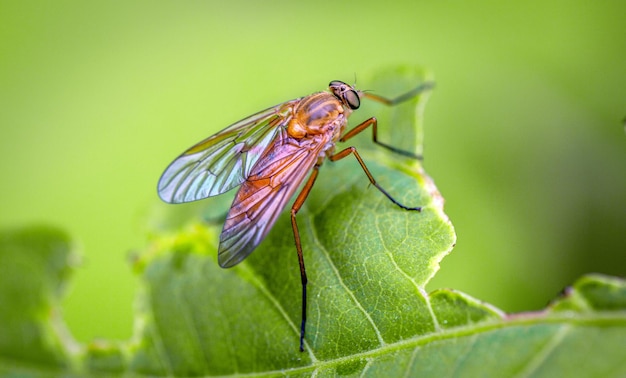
[374,123]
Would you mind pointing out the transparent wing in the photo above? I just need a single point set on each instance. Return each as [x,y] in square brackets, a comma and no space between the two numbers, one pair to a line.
[264,195]
[224,160]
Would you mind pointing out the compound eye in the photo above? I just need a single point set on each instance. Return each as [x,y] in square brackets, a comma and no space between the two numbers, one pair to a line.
[352,99]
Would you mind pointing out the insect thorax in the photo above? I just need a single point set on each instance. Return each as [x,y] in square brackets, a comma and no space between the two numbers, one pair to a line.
[318,113]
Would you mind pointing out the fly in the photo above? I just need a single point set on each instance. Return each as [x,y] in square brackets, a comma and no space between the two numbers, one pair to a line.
[269,155]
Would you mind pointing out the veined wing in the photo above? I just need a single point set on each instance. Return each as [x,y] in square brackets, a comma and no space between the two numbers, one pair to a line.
[224,160]
[264,194]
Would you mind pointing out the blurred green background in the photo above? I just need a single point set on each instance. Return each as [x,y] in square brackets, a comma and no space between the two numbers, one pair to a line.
[524,132]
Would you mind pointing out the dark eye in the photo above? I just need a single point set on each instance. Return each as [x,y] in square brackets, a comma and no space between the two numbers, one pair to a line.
[352,99]
[345,93]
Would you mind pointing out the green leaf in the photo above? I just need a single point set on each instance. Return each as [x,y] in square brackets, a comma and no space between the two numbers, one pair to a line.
[34,263]
[367,262]
[366,259]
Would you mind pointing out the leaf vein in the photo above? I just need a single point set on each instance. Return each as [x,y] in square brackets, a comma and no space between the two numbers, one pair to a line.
[462,357]
[409,367]
[193,330]
[543,354]
[369,363]
[158,340]
[276,303]
[419,290]
[350,293]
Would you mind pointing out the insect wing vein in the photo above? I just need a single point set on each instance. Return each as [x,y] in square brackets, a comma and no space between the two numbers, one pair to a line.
[224,160]
[262,198]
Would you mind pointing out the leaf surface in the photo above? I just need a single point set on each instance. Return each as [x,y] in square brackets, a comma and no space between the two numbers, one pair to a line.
[368,262]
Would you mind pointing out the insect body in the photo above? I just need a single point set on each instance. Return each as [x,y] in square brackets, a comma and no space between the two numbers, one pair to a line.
[311,131]
[269,155]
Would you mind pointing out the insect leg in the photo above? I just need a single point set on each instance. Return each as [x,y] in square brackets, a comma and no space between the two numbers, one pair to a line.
[374,123]
[352,150]
[296,234]
[389,102]
[403,97]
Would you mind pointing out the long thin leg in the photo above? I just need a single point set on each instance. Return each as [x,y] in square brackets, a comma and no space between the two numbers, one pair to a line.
[403,97]
[352,150]
[374,123]
[296,234]
[297,205]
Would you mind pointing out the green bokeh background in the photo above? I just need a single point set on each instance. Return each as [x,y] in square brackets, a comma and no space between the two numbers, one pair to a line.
[524,132]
